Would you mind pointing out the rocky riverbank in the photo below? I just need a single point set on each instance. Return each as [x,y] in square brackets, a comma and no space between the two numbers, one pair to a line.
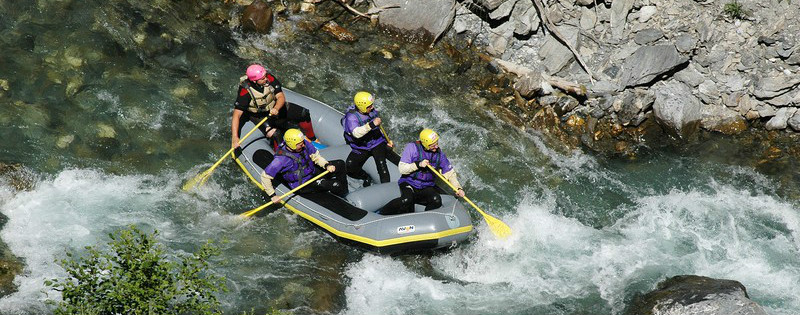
[614,69]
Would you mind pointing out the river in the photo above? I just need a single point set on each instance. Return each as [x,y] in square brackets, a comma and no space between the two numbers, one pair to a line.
[112,105]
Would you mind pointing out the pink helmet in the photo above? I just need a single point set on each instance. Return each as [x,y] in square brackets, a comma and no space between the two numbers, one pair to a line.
[256,72]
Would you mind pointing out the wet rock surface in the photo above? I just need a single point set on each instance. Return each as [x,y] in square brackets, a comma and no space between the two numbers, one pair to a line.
[696,295]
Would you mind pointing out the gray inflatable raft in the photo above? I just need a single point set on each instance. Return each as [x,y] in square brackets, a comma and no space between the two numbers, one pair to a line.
[353,220]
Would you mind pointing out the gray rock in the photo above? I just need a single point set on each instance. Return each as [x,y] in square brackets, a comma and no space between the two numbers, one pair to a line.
[588,19]
[529,84]
[648,63]
[525,18]
[690,76]
[685,43]
[555,54]
[647,36]
[794,59]
[585,2]
[646,12]
[772,85]
[781,118]
[633,105]
[785,99]
[619,16]
[721,118]
[499,39]
[794,122]
[736,82]
[696,295]
[602,87]
[490,4]
[420,20]
[503,10]
[708,92]
[765,110]
[676,109]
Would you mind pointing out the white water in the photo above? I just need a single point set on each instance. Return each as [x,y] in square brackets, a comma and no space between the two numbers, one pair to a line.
[726,234]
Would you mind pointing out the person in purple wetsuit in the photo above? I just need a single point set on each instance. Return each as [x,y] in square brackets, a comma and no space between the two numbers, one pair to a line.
[417,182]
[296,162]
[362,132]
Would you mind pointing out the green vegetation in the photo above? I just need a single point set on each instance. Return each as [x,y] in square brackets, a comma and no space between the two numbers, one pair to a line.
[133,276]
[735,10]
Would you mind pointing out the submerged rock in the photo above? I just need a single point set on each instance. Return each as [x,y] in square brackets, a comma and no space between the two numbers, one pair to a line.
[257,17]
[696,295]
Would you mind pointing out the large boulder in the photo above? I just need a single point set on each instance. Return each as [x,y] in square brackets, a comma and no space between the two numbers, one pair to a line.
[419,21]
[676,109]
[650,62]
[257,17]
[696,295]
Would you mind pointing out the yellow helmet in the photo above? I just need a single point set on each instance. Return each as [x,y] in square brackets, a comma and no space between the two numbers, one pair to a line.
[363,100]
[428,137]
[293,137]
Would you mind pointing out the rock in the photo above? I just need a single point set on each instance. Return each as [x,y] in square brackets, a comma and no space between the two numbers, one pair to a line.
[647,36]
[490,4]
[420,21]
[765,110]
[105,131]
[565,104]
[646,12]
[503,10]
[695,295]
[774,84]
[64,141]
[794,122]
[529,84]
[690,76]
[677,109]
[633,104]
[685,43]
[525,18]
[722,119]
[555,54]
[781,118]
[588,19]
[257,17]
[499,39]
[785,99]
[708,92]
[619,15]
[648,63]
[340,33]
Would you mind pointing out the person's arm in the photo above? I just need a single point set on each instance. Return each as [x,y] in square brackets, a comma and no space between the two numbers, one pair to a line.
[279,103]
[361,131]
[266,181]
[237,115]
[407,164]
[449,173]
[318,159]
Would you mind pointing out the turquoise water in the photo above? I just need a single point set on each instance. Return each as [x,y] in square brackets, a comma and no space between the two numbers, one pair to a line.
[113,105]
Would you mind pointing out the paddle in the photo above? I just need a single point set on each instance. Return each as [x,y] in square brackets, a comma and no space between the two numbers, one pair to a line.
[384,134]
[201,178]
[500,229]
[252,212]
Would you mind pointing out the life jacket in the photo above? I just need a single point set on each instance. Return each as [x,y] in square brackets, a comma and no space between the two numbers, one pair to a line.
[423,177]
[369,140]
[303,167]
[260,102]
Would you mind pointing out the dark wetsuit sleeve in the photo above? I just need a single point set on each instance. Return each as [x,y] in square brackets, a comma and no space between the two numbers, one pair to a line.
[242,100]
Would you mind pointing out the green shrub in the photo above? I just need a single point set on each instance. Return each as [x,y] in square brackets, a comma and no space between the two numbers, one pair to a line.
[735,10]
[133,276]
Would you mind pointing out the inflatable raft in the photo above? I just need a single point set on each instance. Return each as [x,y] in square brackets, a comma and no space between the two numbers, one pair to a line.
[353,219]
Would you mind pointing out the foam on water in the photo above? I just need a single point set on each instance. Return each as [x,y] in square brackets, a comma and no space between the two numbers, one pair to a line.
[727,233]
[79,208]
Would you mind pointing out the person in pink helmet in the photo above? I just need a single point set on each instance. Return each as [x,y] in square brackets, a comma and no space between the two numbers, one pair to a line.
[260,95]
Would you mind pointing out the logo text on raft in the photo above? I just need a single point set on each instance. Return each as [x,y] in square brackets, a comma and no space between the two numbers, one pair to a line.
[405,229]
